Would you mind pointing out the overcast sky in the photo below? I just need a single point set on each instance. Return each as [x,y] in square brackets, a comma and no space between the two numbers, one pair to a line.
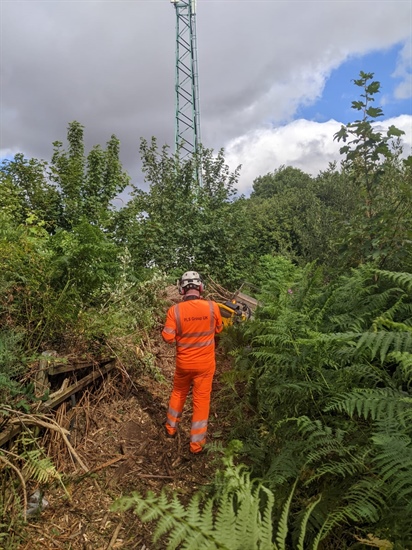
[274,76]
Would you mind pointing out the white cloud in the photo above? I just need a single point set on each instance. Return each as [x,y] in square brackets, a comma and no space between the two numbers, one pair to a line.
[302,144]
[404,72]
[7,154]
[110,65]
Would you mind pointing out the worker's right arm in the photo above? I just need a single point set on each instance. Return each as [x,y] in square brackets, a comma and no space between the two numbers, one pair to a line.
[169,330]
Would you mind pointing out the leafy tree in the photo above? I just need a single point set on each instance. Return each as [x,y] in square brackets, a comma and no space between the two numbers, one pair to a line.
[29,304]
[223,233]
[292,214]
[379,228]
[73,187]
[179,224]
[273,183]
[25,190]
[87,184]
[293,222]
[86,259]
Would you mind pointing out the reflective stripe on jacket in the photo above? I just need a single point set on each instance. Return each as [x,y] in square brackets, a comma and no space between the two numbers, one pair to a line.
[192,324]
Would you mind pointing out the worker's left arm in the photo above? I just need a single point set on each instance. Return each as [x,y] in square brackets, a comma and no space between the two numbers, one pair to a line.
[169,330]
[218,319]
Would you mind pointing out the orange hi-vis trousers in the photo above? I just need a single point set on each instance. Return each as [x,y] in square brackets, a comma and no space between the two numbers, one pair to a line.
[201,380]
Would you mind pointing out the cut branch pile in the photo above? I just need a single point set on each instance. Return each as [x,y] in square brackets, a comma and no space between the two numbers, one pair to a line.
[217,292]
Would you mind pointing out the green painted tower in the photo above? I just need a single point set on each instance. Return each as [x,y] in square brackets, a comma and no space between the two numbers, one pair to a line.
[187,122]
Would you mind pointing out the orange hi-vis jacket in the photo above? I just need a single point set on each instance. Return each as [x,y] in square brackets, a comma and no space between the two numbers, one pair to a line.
[192,324]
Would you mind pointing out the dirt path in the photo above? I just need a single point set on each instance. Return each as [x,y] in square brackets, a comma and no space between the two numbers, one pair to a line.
[118,433]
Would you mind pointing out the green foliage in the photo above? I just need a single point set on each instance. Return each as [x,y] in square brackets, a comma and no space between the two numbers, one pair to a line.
[86,257]
[345,218]
[238,515]
[25,297]
[12,364]
[177,224]
[379,228]
[328,398]
[293,215]
[10,352]
[23,466]
[323,372]
[365,144]
[274,184]
[25,190]
[239,518]
[87,184]
[129,309]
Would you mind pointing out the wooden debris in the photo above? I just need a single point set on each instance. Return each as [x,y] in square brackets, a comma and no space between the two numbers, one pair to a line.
[107,464]
[55,399]
[59,368]
[114,537]
[60,396]
[41,379]
[42,421]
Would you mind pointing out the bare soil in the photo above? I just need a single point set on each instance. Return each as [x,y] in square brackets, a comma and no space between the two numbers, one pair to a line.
[117,429]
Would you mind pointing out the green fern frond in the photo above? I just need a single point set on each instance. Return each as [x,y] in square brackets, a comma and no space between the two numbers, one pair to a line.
[282,530]
[394,460]
[382,342]
[344,469]
[35,465]
[330,453]
[315,430]
[304,522]
[381,301]
[402,279]
[364,502]
[225,521]
[268,357]
[38,467]
[393,325]
[405,361]
[242,519]
[389,314]
[373,403]
[285,465]
[267,501]
[364,374]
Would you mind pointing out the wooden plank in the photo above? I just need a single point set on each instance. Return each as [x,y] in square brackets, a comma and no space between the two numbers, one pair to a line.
[58,397]
[59,368]
[41,379]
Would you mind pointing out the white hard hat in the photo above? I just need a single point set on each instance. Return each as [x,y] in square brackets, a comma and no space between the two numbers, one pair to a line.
[190,279]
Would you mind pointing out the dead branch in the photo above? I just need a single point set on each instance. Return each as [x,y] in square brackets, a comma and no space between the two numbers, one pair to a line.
[23,483]
[114,537]
[49,424]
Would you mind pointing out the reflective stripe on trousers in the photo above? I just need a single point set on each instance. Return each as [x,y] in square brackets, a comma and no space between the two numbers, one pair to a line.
[173,417]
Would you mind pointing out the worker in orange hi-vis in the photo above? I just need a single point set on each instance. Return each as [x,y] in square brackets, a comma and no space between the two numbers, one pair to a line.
[192,325]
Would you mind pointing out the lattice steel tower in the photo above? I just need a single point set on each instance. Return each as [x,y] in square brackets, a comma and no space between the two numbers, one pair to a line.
[187,125]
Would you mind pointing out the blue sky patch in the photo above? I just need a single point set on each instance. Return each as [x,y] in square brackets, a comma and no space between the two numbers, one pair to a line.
[340,90]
